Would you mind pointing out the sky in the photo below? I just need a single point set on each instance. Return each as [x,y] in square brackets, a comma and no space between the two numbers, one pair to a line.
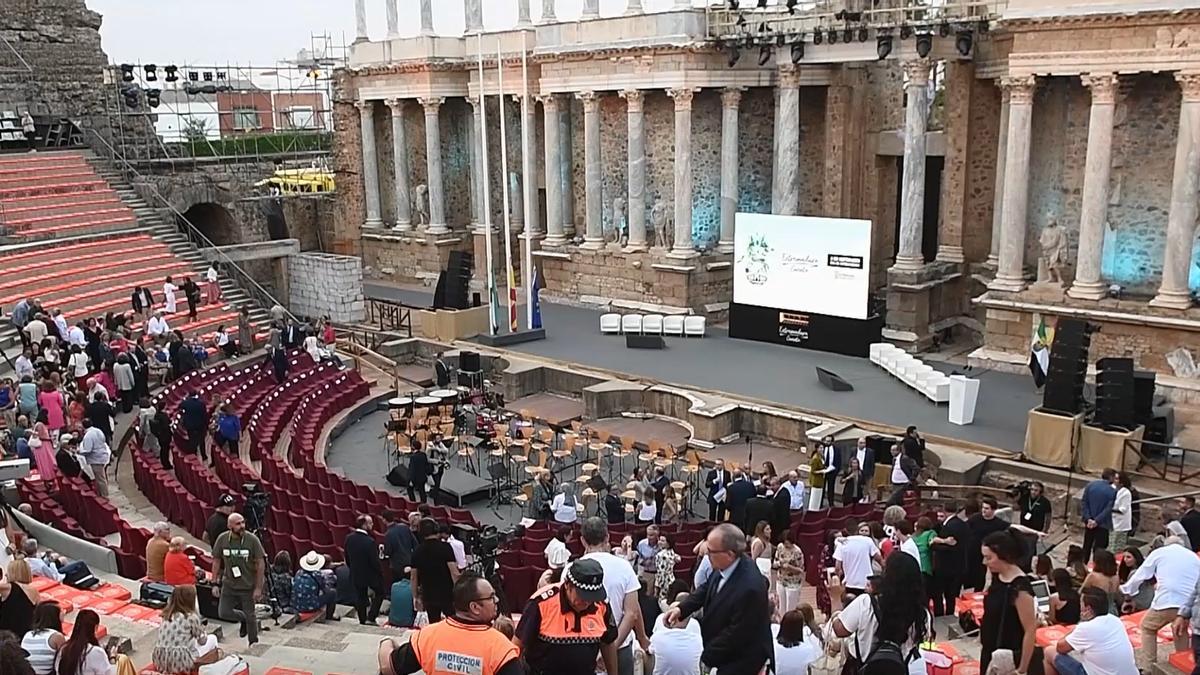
[261,32]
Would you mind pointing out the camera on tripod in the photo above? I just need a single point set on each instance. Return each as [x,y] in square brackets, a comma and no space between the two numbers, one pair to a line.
[258,502]
[1020,490]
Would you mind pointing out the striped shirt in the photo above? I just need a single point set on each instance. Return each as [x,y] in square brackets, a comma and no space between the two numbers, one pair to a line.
[41,654]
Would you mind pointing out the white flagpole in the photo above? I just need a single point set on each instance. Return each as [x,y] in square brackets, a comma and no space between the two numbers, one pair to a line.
[504,183]
[486,189]
[527,271]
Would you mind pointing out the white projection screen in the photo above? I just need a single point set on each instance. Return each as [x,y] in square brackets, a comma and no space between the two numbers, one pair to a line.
[803,264]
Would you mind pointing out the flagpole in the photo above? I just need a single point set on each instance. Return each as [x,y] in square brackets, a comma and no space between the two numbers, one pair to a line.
[508,263]
[486,189]
[527,265]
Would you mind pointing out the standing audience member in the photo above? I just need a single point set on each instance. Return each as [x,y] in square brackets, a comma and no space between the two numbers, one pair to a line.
[45,637]
[852,561]
[621,587]
[982,525]
[95,451]
[398,544]
[851,483]
[229,430]
[1099,644]
[1190,519]
[194,419]
[362,557]
[563,507]
[245,331]
[212,285]
[418,472]
[665,561]
[53,402]
[1176,571]
[676,651]
[739,493]
[789,573]
[797,640]
[125,381]
[1009,614]
[914,446]
[1123,513]
[434,571]
[552,636]
[239,569]
[896,612]
[191,293]
[183,645]
[948,551]
[903,475]
[714,483]
[142,302]
[1096,507]
[280,364]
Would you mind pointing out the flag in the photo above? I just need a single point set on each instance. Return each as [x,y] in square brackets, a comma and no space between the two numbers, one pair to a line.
[1039,352]
[512,300]
[494,303]
[535,300]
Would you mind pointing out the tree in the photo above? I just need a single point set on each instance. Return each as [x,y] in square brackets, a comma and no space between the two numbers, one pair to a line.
[195,129]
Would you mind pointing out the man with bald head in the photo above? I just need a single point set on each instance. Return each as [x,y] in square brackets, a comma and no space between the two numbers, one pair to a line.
[239,563]
[736,624]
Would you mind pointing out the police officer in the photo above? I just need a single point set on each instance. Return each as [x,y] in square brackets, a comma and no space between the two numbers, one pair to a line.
[463,643]
[567,625]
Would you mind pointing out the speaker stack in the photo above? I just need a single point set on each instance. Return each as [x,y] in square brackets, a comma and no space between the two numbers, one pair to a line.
[1114,394]
[458,279]
[1067,372]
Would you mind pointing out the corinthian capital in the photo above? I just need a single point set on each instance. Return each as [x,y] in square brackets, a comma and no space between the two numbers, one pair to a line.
[1103,86]
[591,101]
[683,97]
[1189,85]
[1020,88]
[634,98]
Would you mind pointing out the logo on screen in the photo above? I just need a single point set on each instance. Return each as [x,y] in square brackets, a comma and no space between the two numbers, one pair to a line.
[799,264]
[792,319]
[754,260]
[850,262]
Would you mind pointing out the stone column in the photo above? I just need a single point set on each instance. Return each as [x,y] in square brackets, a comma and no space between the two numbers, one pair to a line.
[633,7]
[1010,276]
[427,17]
[393,19]
[731,97]
[554,188]
[1093,212]
[523,20]
[636,192]
[477,175]
[593,209]
[683,248]
[548,11]
[360,20]
[366,115]
[785,183]
[533,225]
[912,196]
[566,166]
[400,162]
[998,198]
[591,9]
[473,10]
[433,158]
[1185,189]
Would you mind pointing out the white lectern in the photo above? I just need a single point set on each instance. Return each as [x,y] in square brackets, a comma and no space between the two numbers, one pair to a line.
[964,393]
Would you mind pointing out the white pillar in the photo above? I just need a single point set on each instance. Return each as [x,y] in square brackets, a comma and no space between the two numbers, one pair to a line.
[400,165]
[554,189]
[393,19]
[1094,207]
[548,11]
[785,183]
[477,174]
[591,9]
[634,7]
[360,20]
[523,20]
[593,207]
[566,167]
[426,17]
[533,225]
[1173,292]
[473,11]
[1010,276]
[636,191]
[683,247]
[366,115]
[730,99]
[433,159]
[912,198]
[998,198]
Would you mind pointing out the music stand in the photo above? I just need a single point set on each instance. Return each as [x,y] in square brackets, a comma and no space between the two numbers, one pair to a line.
[498,472]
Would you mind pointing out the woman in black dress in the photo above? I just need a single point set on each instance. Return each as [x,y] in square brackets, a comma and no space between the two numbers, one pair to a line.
[1064,604]
[1009,613]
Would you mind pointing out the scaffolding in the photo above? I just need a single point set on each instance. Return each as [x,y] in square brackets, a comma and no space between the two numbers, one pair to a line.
[805,18]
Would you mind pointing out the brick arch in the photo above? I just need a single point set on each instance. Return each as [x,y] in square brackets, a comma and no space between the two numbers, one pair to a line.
[215,222]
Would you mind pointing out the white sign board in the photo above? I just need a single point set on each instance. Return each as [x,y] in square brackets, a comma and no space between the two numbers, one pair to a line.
[803,264]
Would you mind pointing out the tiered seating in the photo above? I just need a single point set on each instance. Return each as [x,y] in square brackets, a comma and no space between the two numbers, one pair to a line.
[910,370]
[58,195]
[274,413]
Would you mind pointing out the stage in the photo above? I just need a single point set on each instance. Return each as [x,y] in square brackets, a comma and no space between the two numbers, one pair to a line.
[775,373]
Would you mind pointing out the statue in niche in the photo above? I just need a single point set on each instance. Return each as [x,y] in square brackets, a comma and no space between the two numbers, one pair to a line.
[662,225]
[1053,242]
[1183,364]
[420,204]
[515,198]
[617,233]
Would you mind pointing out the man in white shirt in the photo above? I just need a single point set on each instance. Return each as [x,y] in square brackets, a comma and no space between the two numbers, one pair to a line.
[37,566]
[647,549]
[904,532]
[866,462]
[622,585]
[795,491]
[60,325]
[37,329]
[853,562]
[76,337]
[676,651]
[95,451]
[23,366]
[459,549]
[157,325]
[1099,645]
[1176,570]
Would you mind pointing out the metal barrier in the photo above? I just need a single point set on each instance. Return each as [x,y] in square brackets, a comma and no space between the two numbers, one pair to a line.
[390,316]
[1163,467]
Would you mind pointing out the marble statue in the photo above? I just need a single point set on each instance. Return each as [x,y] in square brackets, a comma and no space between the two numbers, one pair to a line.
[618,222]
[663,236]
[516,197]
[420,204]
[1183,364]
[1053,243]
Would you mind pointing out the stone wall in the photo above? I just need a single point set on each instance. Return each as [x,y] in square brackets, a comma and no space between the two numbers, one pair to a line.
[412,259]
[980,187]
[756,149]
[346,162]
[60,40]
[324,284]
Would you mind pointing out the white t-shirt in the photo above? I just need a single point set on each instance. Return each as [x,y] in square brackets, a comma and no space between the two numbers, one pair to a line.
[677,650]
[795,659]
[1103,647]
[859,619]
[855,555]
[1123,522]
[79,364]
[563,512]
[646,512]
[619,580]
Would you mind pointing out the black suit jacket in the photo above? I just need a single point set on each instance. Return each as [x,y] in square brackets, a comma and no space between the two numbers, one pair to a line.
[441,373]
[418,468]
[362,557]
[868,465]
[837,465]
[758,508]
[713,484]
[737,494]
[781,514]
[736,626]
[915,448]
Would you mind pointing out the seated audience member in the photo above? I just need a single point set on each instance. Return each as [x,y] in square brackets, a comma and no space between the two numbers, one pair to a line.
[45,637]
[183,645]
[178,568]
[82,653]
[1064,602]
[1098,645]
[38,566]
[156,550]
[281,579]
[314,587]
[17,573]
[402,613]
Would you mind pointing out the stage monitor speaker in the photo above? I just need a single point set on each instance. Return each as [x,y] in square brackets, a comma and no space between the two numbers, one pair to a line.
[1114,393]
[831,380]
[468,361]
[1067,371]
[398,476]
[1143,396]
[644,341]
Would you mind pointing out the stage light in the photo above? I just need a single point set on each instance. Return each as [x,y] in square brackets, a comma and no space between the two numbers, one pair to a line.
[764,55]
[126,72]
[797,51]
[863,34]
[963,41]
[193,76]
[848,36]
[832,37]
[130,94]
[731,51]
[791,6]
[221,75]
[1115,291]
[883,46]
[943,29]
[151,72]
[172,73]
[762,4]
[208,76]
[152,97]
[924,44]
[818,37]
[906,32]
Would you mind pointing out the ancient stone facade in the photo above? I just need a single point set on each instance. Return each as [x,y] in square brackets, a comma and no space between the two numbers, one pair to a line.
[324,284]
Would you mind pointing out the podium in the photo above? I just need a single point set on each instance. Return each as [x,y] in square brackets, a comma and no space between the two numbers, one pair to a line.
[964,394]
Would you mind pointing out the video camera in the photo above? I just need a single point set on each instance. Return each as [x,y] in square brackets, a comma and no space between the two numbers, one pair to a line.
[258,502]
[1020,490]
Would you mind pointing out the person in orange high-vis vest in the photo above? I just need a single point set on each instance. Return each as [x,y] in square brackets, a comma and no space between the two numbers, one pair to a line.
[567,625]
[463,643]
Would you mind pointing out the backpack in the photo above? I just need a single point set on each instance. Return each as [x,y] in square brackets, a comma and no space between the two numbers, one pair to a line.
[885,658]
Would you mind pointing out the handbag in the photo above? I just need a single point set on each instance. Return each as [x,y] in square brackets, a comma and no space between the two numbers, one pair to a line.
[832,657]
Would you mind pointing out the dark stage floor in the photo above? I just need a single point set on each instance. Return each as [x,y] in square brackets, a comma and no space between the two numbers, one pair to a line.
[774,373]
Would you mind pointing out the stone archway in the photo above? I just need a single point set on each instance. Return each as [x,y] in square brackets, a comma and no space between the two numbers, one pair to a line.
[215,222]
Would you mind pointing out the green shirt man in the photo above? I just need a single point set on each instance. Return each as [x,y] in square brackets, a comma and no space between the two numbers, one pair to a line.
[239,560]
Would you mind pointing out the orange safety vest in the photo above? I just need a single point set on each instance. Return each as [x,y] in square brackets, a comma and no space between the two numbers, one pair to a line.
[562,625]
[451,647]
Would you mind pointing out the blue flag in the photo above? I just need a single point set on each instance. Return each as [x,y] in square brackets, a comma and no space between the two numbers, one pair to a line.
[536,301]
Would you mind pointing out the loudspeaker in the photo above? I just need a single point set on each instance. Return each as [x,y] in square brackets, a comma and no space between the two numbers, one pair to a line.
[1067,371]
[458,279]
[468,361]
[475,299]
[831,380]
[398,476]
[439,291]
[1114,393]
[1143,396]
[644,341]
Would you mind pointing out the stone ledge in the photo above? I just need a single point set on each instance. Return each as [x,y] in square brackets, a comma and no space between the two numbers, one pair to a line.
[555,255]
[988,301]
[715,266]
[650,307]
[923,286]
[673,269]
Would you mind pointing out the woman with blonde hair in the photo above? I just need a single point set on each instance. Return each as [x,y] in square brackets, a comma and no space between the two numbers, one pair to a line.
[182,644]
[19,574]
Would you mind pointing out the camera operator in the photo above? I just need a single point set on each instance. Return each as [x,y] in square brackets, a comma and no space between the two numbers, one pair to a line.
[1035,507]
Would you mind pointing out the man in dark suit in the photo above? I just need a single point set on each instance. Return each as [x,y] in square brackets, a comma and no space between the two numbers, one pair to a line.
[717,478]
[739,492]
[758,508]
[194,419]
[903,474]
[866,461]
[659,484]
[418,471]
[362,557]
[736,624]
[914,446]
[441,371]
[781,510]
[831,456]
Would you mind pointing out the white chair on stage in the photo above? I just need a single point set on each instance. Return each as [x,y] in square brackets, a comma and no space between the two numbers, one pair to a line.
[917,374]
[652,324]
[610,323]
[631,323]
[937,388]
[673,325]
[693,326]
[875,351]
